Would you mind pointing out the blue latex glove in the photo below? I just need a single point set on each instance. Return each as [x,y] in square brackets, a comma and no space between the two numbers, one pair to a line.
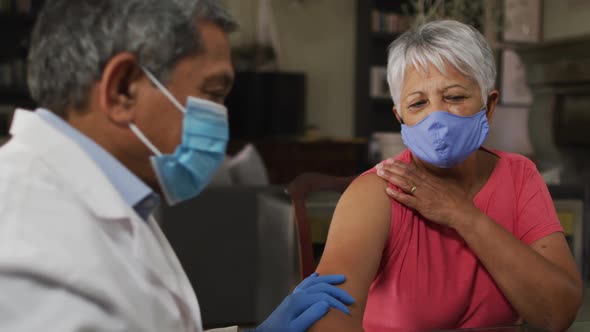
[309,302]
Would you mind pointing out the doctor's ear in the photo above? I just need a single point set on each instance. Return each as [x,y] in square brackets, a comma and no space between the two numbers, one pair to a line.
[118,88]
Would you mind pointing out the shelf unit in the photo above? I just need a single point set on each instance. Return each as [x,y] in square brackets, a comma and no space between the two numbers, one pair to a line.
[14,95]
[15,31]
[373,114]
[11,19]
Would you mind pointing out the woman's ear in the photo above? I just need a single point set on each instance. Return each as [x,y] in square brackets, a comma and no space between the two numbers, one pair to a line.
[397,116]
[119,87]
[491,104]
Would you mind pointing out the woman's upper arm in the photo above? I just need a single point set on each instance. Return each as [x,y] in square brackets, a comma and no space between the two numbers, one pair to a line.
[358,233]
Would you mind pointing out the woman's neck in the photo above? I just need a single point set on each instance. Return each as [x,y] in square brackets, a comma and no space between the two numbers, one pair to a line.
[471,175]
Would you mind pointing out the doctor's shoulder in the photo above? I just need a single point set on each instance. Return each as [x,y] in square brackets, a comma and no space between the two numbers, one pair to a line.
[35,205]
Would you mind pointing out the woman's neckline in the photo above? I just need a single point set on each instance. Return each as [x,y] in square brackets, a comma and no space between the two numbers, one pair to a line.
[488,185]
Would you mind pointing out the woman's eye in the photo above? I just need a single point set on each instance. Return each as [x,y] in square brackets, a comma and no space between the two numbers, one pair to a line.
[456,98]
[418,104]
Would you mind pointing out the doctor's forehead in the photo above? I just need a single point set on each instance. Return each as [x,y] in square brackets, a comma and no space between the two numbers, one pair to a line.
[213,63]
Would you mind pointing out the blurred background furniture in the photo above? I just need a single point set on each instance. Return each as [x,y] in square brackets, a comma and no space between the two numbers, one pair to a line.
[558,73]
[286,159]
[215,237]
[572,203]
[265,105]
[236,242]
[379,22]
[241,245]
[17,18]
[299,190]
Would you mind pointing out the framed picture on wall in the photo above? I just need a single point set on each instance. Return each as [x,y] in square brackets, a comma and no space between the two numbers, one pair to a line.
[513,87]
[523,21]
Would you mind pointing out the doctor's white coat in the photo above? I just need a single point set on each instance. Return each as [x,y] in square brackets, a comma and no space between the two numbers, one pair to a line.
[73,255]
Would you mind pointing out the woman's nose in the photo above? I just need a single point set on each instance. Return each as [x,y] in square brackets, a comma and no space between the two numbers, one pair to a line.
[435,106]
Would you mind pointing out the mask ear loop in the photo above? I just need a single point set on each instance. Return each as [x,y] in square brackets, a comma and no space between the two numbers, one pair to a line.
[162,88]
[174,101]
[144,139]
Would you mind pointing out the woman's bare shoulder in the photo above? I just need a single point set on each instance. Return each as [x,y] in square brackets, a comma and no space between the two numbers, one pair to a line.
[357,236]
[368,185]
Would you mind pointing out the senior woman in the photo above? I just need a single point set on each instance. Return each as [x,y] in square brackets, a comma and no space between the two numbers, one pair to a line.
[468,237]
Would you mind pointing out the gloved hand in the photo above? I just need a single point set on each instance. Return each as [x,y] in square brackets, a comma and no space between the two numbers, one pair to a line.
[308,303]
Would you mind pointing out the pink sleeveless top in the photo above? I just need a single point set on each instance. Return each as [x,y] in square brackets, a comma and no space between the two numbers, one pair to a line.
[430,279]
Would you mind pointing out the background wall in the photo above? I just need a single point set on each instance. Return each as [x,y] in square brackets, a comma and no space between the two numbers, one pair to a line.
[561,19]
[509,130]
[565,18]
[318,38]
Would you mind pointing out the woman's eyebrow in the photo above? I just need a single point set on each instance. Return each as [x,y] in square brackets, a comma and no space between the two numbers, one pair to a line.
[414,93]
[454,86]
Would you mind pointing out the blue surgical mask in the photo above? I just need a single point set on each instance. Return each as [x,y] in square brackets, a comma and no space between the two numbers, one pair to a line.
[445,140]
[184,174]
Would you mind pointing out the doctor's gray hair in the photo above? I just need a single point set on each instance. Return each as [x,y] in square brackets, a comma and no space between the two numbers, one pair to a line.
[440,43]
[73,40]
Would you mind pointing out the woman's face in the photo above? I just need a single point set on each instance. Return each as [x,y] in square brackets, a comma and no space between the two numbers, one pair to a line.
[426,92]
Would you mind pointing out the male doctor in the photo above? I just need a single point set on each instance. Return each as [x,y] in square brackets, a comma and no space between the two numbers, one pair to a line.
[131,95]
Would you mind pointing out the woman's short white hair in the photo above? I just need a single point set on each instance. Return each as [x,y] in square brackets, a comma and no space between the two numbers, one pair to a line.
[440,43]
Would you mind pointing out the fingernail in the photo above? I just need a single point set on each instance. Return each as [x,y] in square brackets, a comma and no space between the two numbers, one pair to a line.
[389,161]
[380,172]
[389,191]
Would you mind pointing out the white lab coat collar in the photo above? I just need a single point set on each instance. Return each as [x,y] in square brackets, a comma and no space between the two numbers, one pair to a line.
[80,172]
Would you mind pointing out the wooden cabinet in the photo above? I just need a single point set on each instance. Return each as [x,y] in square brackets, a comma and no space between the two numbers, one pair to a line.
[285,159]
